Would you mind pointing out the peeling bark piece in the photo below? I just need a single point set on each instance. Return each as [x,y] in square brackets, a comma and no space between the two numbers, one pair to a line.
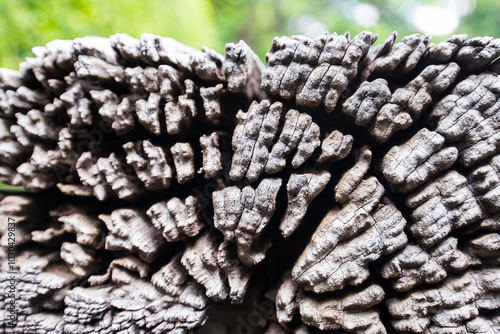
[336,146]
[174,118]
[485,248]
[128,230]
[442,205]
[444,51]
[314,71]
[241,215]
[347,233]
[413,266]
[175,282]
[12,153]
[469,116]
[27,98]
[252,137]
[353,177]
[88,229]
[95,46]
[49,236]
[119,113]
[407,103]
[402,58]
[11,79]
[33,180]
[302,188]
[20,215]
[178,114]
[157,50]
[163,317]
[419,93]
[352,312]
[418,160]
[54,59]
[78,106]
[142,80]
[127,47]
[448,305]
[483,324]
[307,145]
[148,113]
[120,178]
[200,260]
[478,52]
[176,218]
[347,260]
[484,181]
[21,136]
[171,278]
[95,69]
[238,275]
[184,161]
[208,66]
[120,267]
[286,300]
[171,82]
[43,322]
[91,175]
[266,133]
[69,147]
[82,261]
[211,101]
[38,124]
[40,159]
[367,101]
[374,53]
[293,130]
[39,289]
[242,69]
[87,310]
[212,160]
[150,164]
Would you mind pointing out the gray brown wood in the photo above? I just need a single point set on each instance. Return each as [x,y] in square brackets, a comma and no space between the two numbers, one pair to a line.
[341,187]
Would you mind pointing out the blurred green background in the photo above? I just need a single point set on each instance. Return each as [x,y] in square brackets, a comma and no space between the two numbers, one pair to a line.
[28,23]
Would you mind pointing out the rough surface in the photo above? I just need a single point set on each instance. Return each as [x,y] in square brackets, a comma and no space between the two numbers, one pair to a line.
[349,238]
[212,158]
[468,117]
[417,160]
[341,188]
[129,230]
[314,72]
[301,190]
[441,206]
[154,170]
[242,214]
[448,305]
[176,218]
[252,138]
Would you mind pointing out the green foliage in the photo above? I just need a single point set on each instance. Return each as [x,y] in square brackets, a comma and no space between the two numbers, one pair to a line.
[28,23]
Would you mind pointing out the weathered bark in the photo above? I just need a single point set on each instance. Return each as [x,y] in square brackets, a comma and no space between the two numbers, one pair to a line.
[340,188]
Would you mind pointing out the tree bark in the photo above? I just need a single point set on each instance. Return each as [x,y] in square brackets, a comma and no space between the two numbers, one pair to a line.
[341,188]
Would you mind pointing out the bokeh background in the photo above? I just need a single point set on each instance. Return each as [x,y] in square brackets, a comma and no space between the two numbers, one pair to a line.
[28,23]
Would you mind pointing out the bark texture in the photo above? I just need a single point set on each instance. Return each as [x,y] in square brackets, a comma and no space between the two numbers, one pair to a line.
[341,188]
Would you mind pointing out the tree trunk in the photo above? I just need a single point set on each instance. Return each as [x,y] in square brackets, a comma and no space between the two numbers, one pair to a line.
[342,188]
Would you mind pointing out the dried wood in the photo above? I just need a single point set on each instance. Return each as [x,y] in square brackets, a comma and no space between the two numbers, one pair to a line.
[390,157]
